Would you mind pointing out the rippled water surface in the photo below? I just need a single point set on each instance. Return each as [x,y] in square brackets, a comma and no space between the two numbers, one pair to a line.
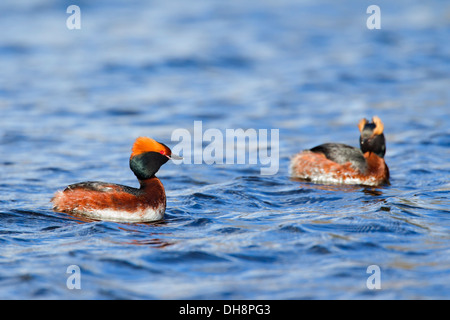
[73,101]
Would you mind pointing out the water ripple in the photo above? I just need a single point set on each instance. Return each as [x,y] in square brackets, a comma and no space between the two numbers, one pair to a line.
[72,102]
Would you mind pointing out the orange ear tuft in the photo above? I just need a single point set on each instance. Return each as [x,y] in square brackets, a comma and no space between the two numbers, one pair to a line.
[145,144]
[361,124]
[379,127]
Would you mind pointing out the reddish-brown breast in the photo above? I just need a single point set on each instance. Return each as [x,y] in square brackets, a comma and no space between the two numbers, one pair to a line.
[316,167]
[377,168]
[85,199]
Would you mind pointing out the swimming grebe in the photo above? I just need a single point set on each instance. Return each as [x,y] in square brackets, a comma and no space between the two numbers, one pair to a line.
[108,201]
[340,163]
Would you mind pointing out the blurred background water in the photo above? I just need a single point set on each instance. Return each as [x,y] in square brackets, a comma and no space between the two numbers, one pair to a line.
[73,101]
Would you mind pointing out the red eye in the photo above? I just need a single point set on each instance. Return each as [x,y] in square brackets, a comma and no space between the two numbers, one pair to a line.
[162,152]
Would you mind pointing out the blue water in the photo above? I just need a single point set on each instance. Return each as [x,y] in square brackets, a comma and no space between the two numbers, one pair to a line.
[73,101]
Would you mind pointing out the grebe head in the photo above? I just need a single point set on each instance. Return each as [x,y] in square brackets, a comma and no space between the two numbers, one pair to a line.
[372,137]
[147,156]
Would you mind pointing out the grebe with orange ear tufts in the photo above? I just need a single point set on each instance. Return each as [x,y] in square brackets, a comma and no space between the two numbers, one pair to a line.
[108,201]
[340,163]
